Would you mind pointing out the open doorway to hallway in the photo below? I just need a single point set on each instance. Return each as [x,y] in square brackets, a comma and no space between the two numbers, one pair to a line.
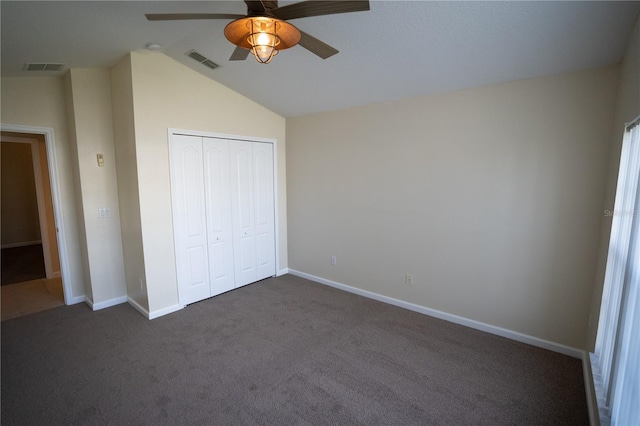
[30,264]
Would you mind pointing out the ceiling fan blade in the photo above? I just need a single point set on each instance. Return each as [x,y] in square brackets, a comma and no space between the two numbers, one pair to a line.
[308,8]
[254,7]
[270,4]
[188,16]
[316,46]
[239,54]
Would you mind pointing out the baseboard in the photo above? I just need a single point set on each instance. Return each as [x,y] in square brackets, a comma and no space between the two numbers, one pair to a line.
[56,274]
[107,303]
[154,314]
[138,307]
[499,331]
[164,311]
[88,302]
[23,244]
[590,390]
[78,299]
[283,271]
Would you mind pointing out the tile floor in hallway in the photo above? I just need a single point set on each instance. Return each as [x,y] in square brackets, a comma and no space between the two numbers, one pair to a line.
[30,297]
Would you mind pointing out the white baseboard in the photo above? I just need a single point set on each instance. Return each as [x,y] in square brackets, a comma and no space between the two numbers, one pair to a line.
[165,311]
[77,299]
[154,314]
[106,304]
[23,244]
[283,271]
[499,331]
[138,307]
[590,390]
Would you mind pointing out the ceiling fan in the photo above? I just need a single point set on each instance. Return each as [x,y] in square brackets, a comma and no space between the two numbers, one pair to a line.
[263,30]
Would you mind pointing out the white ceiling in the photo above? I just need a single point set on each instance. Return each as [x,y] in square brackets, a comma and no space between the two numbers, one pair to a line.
[398,49]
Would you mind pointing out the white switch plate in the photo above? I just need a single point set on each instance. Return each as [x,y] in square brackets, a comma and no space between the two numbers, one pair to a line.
[104,212]
[334,261]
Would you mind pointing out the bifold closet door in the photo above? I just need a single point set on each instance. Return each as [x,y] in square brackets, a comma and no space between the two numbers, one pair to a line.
[252,211]
[242,205]
[218,213]
[222,195]
[189,218]
[264,210]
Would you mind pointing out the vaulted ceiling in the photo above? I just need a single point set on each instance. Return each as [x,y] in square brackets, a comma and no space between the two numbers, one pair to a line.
[396,50]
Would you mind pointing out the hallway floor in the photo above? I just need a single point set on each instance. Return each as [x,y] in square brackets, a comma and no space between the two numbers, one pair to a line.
[21,264]
[30,297]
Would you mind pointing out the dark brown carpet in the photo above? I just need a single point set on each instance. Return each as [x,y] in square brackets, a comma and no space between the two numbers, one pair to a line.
[21,264]
[282,351]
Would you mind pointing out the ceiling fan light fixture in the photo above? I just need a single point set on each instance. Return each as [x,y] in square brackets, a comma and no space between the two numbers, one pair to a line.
[263,36]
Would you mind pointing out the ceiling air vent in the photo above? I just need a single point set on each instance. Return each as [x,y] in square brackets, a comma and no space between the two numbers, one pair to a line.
[202,59]
[43,67]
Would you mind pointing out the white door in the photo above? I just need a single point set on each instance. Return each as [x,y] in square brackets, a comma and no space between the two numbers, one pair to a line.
[264,210]
[218,212]
[224,218]
[189,218]
[242,206]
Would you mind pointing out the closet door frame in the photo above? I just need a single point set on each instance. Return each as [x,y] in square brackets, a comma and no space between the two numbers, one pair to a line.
[172,131]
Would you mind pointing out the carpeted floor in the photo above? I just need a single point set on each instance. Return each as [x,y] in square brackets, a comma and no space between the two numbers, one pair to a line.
[21,264]
[282,351]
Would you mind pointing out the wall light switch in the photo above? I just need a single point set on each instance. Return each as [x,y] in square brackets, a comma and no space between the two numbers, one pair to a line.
[104,212]
[100,160]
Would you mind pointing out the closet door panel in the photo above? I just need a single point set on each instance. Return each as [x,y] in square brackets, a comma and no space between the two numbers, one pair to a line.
[242,204]
[189,219]
[264,209]
[218,212]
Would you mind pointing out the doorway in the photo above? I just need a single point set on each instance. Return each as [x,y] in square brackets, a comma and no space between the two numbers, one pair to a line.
[31,274]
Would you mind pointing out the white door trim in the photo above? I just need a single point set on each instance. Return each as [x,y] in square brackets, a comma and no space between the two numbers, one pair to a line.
[274,142]
[49,140]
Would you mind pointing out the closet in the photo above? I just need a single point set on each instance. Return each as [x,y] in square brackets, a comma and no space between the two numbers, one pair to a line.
[222,193]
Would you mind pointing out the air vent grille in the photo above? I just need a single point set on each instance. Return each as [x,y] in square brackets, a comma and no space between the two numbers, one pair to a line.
[210,64]
[202,59]
[195,55]
[43,67]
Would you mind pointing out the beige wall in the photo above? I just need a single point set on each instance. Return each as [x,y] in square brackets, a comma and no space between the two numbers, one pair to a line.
[491,197]
[84,252]
[90,113]
[126,166]
[40,101]
[627,109]
[20,220]
[167,94]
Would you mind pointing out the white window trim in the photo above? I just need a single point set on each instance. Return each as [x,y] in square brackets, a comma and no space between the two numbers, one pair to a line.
[616,371]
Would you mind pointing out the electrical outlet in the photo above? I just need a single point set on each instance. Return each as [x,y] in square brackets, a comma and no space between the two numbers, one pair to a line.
[408,279]
[334,261]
